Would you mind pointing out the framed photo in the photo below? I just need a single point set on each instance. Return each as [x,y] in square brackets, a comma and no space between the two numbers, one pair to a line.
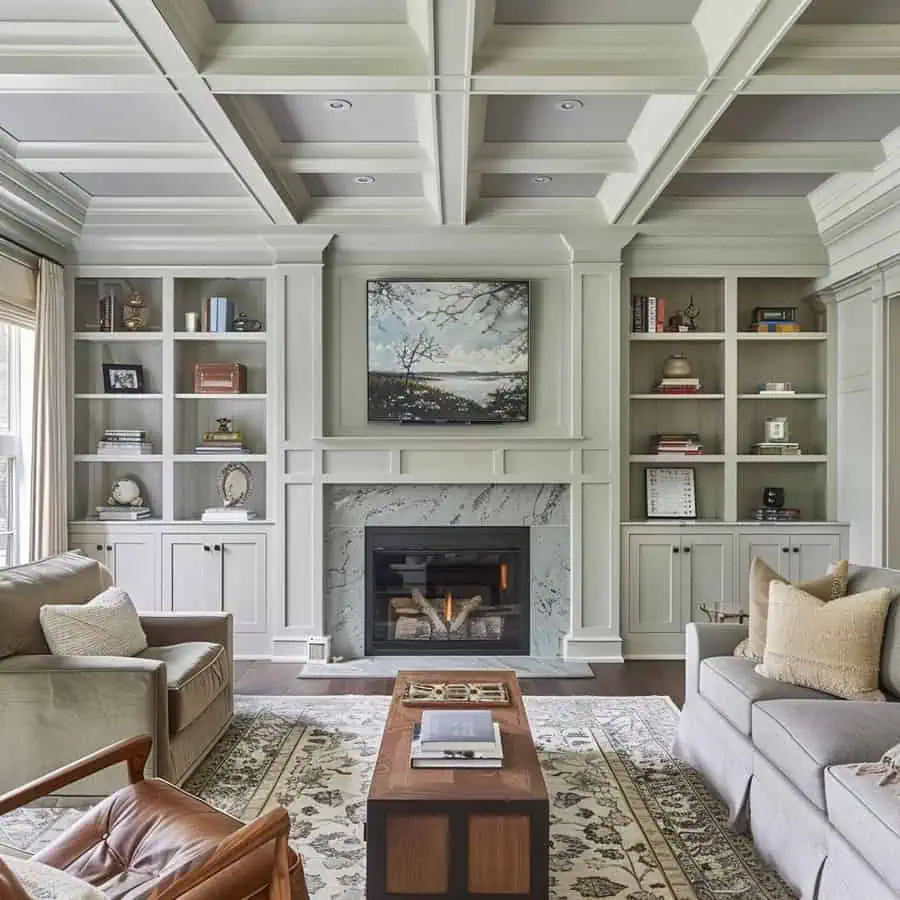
[776,430]
[123,379]
[671,494]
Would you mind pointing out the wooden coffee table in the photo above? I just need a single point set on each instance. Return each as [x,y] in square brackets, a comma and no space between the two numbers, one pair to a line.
[457,833]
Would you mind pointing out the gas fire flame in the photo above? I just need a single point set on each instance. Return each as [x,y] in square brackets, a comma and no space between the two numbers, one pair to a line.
[448,608]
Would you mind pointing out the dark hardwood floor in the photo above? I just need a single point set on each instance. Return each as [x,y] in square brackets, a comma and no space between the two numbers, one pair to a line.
[630,679]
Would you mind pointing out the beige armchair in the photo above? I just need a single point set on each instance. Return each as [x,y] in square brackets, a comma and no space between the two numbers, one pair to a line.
[57,709]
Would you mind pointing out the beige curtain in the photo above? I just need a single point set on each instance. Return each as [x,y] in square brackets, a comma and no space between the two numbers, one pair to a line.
[49,482]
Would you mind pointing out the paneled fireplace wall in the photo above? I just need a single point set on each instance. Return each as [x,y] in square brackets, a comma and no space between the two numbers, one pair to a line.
[544,508]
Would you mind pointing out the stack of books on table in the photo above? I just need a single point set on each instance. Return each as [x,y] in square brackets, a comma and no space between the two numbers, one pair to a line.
[777,448]
[227,514]
[222,442]
[678,444]
[123,513]
[768,514]
[456,739]
[124,442]
[678,386]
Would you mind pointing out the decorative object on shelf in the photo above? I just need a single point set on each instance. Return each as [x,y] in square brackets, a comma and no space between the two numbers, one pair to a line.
[124,503]
[243,323]
[440,693]
[773,497]
[119,378]
[782,514]
[216,314]
[220,378]
[716,612]
[448,352]
[776,430]
[677,377]
[107,312]
[223,440]
[124,442]
[648,315]
[677,444]
[318,648]
[671,494]
[775,320]
[776,389]
[135,312]
[191,321]
[777,441]
[235,486]
[685,320]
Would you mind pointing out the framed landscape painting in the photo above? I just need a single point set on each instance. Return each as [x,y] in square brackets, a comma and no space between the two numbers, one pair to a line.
[448,351]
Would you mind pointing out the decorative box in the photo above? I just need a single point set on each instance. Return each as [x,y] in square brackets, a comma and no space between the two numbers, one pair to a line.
[220,378]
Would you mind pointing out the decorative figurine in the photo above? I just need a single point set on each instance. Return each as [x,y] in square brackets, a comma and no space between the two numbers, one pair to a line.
[685,320]
[773,497]
[135,315]
[125,492]
[244,323]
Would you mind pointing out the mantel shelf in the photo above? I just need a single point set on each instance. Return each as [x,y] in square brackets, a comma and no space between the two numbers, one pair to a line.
[783,397]
[661,396]
[117,337]
[784,336]
[118,396]
[667,336]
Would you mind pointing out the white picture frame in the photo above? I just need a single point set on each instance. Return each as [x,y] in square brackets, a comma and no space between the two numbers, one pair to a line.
[671,493]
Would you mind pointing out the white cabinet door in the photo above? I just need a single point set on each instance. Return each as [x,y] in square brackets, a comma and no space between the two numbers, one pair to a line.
[133,561]
[708,565]
[90,545]
[773,547]
[191,574]
[242,561]
[654,583]
[812,554]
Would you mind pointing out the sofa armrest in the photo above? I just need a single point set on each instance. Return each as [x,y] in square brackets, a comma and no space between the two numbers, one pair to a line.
[57,709]
[180,628]
[704,640]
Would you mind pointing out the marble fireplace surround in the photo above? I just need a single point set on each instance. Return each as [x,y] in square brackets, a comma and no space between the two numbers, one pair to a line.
[544,508]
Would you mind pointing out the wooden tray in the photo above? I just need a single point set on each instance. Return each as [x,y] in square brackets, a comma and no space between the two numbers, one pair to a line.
[456,693]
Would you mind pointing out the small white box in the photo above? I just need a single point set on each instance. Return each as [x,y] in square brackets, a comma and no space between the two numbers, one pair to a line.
[318,649]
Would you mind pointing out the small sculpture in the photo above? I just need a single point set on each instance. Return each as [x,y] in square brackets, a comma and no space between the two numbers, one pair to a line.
[125,492]
[135,315]
[243,323]
[685,319]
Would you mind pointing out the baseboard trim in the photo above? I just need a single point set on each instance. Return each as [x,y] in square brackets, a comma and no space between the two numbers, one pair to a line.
[593,649]
[652,656]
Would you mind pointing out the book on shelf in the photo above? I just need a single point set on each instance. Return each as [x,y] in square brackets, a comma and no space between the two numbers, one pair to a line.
[227,514]
[227,436]
[768,514]
[457,729]
[106,449]
[216,314]
[678,386]
[221,447]
[122,513]
[488,758]
[776,393]
[774,314]
[687,444]
[648,315]
[775,328]
[771,448]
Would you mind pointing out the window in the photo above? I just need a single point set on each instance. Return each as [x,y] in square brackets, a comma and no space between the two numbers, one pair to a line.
[16,363]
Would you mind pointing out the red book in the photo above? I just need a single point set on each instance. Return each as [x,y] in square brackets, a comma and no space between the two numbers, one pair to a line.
[678,390]
[660,313]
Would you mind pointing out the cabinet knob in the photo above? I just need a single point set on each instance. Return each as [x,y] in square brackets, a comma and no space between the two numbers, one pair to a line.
[675,550]
[109,547]
[785,549]
[206,547]
[217,548]
[796,549]
[687,549]
[99,546]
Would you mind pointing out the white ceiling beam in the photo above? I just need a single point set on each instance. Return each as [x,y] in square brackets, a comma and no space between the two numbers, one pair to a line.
[736,38]
[287,58]
[554,158]
[832,59]
[159,28]
[544,59]
[352,159]
[190,157]
[766,157]
[420,18]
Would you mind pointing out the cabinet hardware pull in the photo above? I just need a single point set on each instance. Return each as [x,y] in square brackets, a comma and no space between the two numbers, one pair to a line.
[217,548]
[206,547]
[99,546]
[687,549]
[785,549]
[675,549]
[796,549]
[109,547]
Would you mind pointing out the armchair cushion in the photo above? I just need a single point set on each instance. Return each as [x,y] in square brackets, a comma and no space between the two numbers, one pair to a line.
[39,882]
[196,673]
[147,834]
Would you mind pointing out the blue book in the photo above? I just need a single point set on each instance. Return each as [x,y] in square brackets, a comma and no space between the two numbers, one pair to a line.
[213,313]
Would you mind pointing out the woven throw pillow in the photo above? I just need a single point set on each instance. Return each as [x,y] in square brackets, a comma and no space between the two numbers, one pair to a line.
[23,879]
[832,646]
[108,625]
[828,587]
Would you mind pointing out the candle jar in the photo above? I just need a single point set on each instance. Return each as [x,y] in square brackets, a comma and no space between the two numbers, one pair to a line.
[191,321]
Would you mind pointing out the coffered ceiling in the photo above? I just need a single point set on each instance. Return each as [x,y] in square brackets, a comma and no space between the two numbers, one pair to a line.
[236,114]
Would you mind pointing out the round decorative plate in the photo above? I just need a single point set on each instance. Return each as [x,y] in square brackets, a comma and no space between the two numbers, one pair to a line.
[125,491]
[235,484]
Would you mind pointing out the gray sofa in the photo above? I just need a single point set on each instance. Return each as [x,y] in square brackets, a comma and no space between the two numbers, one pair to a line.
[784,758]
[56,709]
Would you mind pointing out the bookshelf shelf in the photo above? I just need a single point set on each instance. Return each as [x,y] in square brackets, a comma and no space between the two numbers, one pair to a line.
[220,397]
[227,337]
[669,337]
[668,459]
[778,399]
[119,337]
[220,457]
[116,457]
[118,397]
[667,397]
[784,336]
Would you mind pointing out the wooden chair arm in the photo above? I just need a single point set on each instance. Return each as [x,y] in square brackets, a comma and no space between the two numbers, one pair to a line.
[273,826]
[133,751]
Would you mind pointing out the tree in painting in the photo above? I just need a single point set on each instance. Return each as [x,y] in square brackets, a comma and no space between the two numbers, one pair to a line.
[448,351]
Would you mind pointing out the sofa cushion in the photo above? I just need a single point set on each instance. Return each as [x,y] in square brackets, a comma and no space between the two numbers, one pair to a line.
[867,815]
[803,737]
[866,578]
[196,674]
[67,578]
[731,686]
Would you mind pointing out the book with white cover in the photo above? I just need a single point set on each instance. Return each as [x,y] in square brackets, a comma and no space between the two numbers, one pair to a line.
[457,729]
[456,759]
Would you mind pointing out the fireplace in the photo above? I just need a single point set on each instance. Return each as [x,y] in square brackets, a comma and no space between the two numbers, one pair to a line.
[456,590]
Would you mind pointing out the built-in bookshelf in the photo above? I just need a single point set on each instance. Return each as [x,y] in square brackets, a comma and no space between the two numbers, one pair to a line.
[729,414]
[177,482]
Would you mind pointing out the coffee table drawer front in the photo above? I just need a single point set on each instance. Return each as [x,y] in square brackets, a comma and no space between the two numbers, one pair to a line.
[417,858]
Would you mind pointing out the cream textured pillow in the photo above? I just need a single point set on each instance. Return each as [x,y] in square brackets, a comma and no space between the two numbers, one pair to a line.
[25,878]
[832,646]
[108,625]
[762,576]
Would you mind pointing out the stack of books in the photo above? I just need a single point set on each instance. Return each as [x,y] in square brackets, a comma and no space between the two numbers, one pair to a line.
[227,514]
[678,386]
[222,442]
[648,315]
[123,513]
[768,514]
[217,314]
[775,320]
[678,444]
[777,448]
[456,739]
[776,389]
[124,442]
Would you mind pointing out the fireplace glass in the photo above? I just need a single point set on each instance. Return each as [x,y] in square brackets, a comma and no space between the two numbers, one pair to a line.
[457,590]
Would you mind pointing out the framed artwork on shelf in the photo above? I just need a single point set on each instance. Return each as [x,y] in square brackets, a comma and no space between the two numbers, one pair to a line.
[671,494]
[123,379]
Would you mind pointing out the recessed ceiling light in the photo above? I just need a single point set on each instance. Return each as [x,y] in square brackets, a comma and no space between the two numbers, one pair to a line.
[541,179]
[364,179]
[570,104]
[337,105]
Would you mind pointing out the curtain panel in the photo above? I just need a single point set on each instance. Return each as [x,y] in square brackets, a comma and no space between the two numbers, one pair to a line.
[49,471]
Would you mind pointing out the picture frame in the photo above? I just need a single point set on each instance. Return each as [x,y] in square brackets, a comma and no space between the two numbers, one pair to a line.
[122,378]
[671,493]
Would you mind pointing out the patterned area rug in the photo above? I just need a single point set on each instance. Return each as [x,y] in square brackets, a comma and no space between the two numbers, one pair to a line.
[628,821]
